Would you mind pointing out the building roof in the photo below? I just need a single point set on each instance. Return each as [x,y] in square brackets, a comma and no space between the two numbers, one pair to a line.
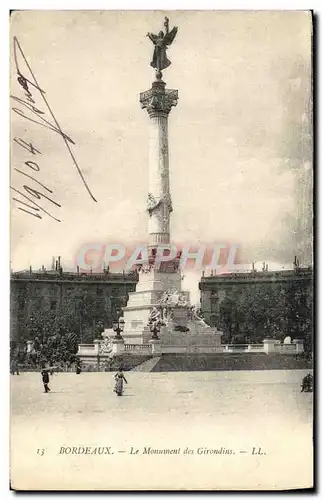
[55,275]
[256,277]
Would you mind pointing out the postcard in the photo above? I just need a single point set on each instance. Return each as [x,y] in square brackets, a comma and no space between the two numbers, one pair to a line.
[161,297]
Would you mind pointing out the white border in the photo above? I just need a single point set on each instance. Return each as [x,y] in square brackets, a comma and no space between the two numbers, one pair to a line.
[4,197]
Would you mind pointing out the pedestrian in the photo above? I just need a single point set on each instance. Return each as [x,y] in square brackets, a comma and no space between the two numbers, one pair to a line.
[78,368]
[119,378]
[307,383]
[45,378]
[14,368]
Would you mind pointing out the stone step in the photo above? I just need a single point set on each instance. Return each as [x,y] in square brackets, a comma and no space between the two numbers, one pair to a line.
[147,366]
[227,362]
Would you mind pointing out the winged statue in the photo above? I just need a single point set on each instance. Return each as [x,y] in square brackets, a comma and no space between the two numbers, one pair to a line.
[161,43]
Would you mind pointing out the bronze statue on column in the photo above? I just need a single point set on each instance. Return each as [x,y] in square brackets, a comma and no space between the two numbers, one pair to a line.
[161,42]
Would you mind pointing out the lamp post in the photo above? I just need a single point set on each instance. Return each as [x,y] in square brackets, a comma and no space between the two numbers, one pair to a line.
[118,327]
[99,328]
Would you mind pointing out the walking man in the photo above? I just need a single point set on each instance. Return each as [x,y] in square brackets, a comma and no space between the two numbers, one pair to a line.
[45,378]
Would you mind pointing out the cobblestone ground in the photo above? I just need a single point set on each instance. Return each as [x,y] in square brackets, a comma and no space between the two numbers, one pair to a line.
[238,411]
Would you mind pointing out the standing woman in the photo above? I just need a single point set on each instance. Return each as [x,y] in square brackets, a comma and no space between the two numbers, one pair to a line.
[119,378]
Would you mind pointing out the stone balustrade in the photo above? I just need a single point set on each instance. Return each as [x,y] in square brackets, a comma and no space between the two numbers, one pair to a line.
[138,348]
[269,346]
[86,349]
[240,348]
[193,349]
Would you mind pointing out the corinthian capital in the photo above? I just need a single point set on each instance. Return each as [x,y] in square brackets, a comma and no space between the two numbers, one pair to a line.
[158,100]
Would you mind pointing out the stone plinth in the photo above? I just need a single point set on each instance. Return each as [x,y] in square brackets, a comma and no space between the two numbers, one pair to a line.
[299,345]
[156,347]
[208,337]
[96,343]
[118,346]
[156,281]
[270,346]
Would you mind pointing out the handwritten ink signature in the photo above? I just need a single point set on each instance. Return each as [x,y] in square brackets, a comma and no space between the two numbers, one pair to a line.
[32,113]
[33,192]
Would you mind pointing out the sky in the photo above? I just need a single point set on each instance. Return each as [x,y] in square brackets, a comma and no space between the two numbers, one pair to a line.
[240,137]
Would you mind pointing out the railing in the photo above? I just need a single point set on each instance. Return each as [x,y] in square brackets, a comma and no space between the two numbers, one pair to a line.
[255,347]
[286,348]
[249,275]
[137,348]
[193,349]
[243,348]
[91,349]
[235,348]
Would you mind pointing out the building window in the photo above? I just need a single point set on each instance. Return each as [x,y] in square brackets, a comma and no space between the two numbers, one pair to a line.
[21,303]
[38,303]
[53,304]
[215,305]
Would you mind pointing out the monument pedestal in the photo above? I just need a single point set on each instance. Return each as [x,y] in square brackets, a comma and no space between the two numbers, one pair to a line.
[149,293]
[118,346]
[156,347]
[181,326]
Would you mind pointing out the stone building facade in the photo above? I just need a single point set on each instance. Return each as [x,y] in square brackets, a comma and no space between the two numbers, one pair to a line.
[285,298]
[32,291]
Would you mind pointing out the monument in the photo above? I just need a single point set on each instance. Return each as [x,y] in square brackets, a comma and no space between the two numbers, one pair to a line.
[159,317]
[159,311]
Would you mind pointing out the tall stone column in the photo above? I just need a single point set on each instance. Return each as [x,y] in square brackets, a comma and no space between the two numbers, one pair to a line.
[158,101]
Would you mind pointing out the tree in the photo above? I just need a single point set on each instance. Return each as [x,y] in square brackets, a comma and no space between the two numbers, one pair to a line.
[55,336]
[57,333]
[249,314]
[88,310]
[226,312]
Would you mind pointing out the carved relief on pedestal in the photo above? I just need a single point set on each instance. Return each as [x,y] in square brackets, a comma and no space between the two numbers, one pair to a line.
[196,316]
[145,268]
[106,346]
[155,318]
[174,298]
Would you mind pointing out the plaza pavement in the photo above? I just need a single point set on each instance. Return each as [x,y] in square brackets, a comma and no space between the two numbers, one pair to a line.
[235,411]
